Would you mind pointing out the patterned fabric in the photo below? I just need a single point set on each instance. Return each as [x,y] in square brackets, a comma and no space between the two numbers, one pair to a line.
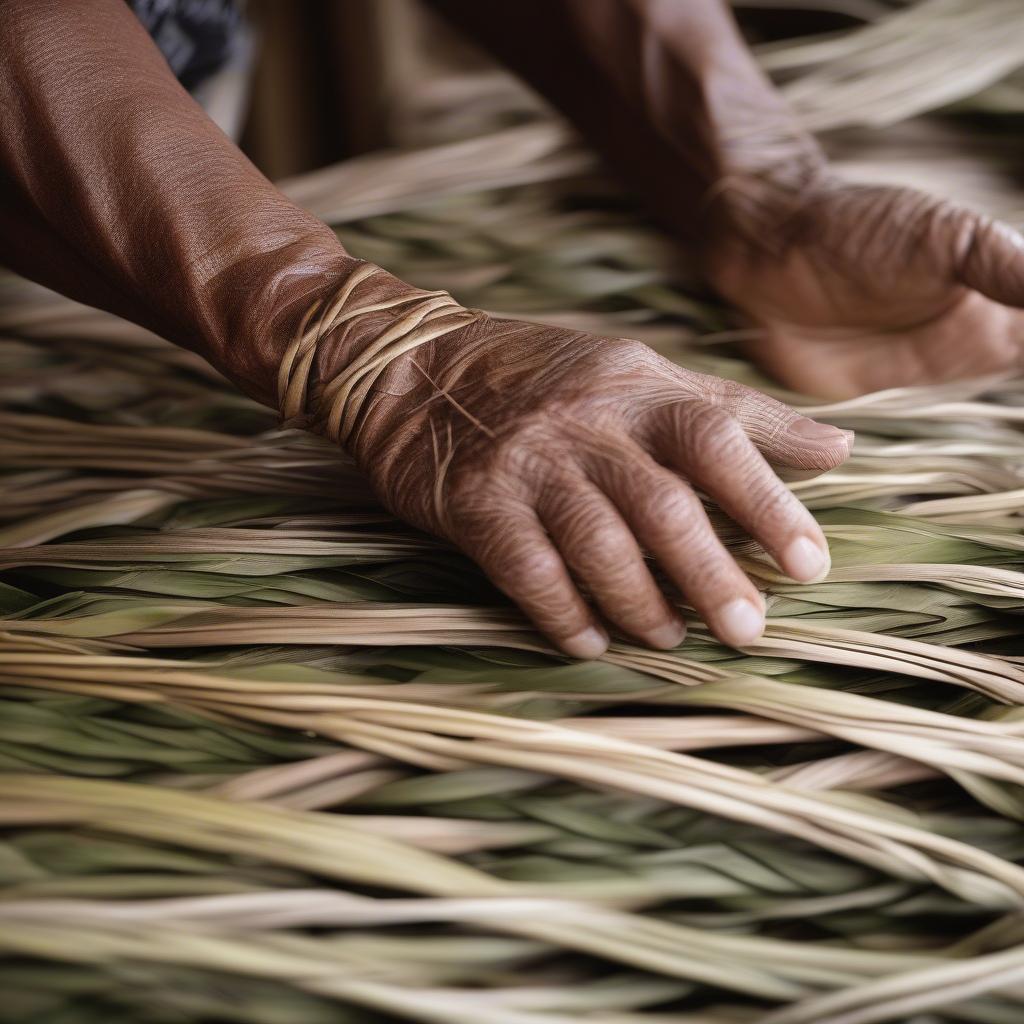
[196,36]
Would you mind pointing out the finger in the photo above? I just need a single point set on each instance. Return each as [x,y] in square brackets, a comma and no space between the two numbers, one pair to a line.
[988,256]
[781,434]
[601,551]
[669,520]
[712,450]
[519,558]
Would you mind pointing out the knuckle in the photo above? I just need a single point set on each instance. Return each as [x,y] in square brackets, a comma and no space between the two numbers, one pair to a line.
[467,483]
[527,447]
[477,513]
[499,478]
[603,534]
[629,352]
[604,549]
[580,523]
[671,501]
[601,549]
[510,457]
[529,569]
[761,417]
[703,571]
[715,437]
[673,512]
[638,611]
[771,505]
[725,393]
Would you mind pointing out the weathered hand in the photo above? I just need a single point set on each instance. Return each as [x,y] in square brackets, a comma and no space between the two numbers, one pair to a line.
[554,458]
[865,288]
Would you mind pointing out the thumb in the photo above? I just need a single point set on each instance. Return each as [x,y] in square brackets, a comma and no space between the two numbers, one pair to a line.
[989,257]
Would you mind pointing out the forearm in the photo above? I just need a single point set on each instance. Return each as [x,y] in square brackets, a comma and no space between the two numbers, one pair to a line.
[121,192]
[669,93]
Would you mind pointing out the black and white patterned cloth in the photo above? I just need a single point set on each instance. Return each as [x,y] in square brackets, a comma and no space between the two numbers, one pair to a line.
[197,37]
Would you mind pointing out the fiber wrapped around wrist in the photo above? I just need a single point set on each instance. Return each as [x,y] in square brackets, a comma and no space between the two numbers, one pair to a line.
[370,320]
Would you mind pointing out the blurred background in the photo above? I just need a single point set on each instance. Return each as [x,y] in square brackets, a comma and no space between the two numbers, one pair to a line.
[336,78]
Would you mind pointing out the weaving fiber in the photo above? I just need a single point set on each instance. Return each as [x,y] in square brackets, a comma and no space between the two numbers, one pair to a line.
[269,755]
[429,315]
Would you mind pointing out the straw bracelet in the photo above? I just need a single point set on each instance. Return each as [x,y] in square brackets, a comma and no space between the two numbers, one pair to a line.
[336,408]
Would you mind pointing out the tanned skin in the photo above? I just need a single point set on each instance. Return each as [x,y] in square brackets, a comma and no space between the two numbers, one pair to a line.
[566,456]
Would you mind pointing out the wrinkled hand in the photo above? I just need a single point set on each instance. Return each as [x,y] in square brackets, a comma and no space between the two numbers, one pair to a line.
[866,288]
[554,459]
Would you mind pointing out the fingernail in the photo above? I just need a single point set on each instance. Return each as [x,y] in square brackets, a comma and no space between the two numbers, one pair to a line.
[742,622]
[812,430]
[667,636]
[805,561]
[591,643]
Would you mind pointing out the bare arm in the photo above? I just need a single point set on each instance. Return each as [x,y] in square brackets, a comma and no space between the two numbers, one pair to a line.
[121,192]
[561,458]
[855,288]
[668,92]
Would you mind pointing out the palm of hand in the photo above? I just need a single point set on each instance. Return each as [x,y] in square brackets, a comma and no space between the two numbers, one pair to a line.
[878,288]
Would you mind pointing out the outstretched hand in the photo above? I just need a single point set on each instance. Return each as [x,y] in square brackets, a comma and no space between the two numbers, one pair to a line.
[866,288]
[555,459]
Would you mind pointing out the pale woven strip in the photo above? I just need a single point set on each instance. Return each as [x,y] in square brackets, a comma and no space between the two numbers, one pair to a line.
[431,314]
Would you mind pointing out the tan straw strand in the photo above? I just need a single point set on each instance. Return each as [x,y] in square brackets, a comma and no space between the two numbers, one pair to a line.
[341,402]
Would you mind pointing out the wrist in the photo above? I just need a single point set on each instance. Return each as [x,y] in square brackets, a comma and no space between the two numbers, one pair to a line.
[361,353]
[759,164]
[249,313]
[761,189]
[742,160]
